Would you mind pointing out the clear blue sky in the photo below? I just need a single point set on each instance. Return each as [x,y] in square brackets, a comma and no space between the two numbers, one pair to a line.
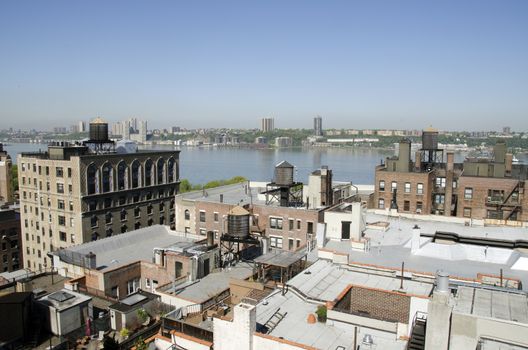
[360,64]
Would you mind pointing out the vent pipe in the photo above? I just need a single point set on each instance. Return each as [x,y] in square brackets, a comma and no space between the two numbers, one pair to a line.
[442,282]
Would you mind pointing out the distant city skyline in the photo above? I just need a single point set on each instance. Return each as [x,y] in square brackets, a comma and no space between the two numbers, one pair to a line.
[456,65]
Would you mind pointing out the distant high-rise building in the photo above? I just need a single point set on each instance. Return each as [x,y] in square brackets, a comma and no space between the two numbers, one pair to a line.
[74,128]
[318,126]
[267,124]
[506,130]
[82,126]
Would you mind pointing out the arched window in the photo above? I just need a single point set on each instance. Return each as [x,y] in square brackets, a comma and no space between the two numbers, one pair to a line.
[92,179]
[149,169]
[187,214]
[136,174]
[123,215]
[161,171]
[170,170]
[122,176]
[107,177]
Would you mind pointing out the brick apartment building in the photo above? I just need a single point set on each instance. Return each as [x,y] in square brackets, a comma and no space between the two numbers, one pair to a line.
[73,194]
[10,240]
[479,188]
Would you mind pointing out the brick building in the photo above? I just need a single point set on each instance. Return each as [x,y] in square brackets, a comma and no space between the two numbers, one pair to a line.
[73,194]
[489,188]
[10,240]
[6,192]
[287,227]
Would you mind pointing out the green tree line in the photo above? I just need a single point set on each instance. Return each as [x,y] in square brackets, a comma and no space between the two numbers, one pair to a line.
[187,186]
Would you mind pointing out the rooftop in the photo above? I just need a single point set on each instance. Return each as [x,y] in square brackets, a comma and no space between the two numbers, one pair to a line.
[325,281]
[392,247]
[133,301]
[125,248]
[321,335]
[280,258]
[201,290]
[491,303]
[63,299]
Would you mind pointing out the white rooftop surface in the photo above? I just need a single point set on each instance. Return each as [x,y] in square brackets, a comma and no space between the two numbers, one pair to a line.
[232,194]
[489,344]
[492,304]
[392,247]
[294,326]
[325,280]
[73,299]
[131,246]
[212,284]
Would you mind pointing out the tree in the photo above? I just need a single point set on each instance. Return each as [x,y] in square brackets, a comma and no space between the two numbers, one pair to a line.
[140,344]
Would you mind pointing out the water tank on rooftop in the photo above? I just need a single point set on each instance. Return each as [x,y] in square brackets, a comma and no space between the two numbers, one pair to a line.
[238,223]
[98,130]
[284,173]
[430,139]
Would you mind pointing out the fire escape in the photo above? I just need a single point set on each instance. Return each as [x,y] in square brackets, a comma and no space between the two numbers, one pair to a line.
[511,204]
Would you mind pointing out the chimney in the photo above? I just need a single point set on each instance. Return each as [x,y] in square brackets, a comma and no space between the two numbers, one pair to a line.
[450,161]
[210,239]
[417,160]
[508,164]
[415,240]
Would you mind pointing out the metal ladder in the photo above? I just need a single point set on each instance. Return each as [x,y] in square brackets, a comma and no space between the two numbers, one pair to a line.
[274,320]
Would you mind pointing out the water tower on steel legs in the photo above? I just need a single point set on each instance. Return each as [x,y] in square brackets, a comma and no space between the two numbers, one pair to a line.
[430,154]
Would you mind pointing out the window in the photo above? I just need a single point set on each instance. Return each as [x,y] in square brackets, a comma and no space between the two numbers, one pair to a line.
[72,222]
[187,214]
[149,170]
[71,206]
[419,189]
[382,185]
[276,223]
[291,224]
[108,218]
[124,228]
[467,212]
[59,172]
[149,209]
[394,186]
[137,212]
[69,172]
[439,199]
[455,184]
[62,236]
[202,216]
[72,238]
[114,292]
[407,187]
[60,204]
[133,285]
[107,177]
[161,171]
[92,205]
[162,207]
[62,220]
[107,203]
[94,221]
[60,188]
[147,283]
[468,193]
[123,215]
[381,203]
[92,179]
[122,176]
[298,224]
[419,207]
[276,242]
[215,216]
[406,205]
[136,174]
[122,200]
[290,244]
[441,182]
[170,170]
[310,227]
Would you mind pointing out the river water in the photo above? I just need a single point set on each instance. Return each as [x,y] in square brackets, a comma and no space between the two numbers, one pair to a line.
[200,165]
